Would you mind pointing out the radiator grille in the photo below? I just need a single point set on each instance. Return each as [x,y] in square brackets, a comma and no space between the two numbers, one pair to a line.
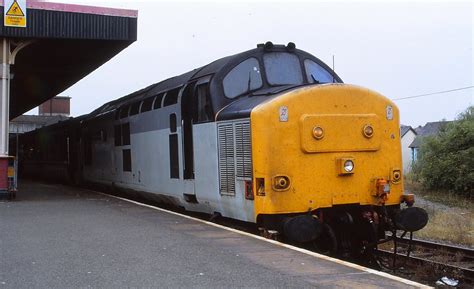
[226,159]
[243,150]
[235,154]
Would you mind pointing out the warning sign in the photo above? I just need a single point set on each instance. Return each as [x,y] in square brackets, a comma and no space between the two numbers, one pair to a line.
[15,13]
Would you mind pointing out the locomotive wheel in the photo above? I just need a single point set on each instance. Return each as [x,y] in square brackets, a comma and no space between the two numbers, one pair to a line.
[326,243]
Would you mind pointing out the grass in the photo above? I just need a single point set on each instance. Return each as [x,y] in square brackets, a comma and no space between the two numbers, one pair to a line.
[451,216]
[449,227]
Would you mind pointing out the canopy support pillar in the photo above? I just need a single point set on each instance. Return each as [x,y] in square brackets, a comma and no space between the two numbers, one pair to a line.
[4,95]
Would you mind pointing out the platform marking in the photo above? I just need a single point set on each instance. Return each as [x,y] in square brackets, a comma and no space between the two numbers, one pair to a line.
[304,251]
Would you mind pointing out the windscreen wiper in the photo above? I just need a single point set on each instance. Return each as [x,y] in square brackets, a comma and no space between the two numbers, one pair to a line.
[315,80]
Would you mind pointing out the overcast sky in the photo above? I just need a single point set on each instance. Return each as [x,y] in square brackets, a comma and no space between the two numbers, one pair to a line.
[398,49]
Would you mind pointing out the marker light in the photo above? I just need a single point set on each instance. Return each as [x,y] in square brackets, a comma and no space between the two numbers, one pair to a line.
[396,175]
[368,131]
[318,132]
[281,183]
[348,166]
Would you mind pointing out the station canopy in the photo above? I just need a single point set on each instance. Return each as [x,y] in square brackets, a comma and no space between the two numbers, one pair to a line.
[62,44]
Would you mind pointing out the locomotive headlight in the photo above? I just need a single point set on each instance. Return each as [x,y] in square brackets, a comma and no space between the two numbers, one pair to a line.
[345,166]
[348,166]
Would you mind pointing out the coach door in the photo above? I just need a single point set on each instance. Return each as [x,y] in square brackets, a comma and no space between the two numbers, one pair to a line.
[187,104]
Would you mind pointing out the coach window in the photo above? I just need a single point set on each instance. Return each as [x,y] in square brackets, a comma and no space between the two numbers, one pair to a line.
[282,68]
[126,134]
[147,104]
[203,104]
[124,111]
[171,97]
[242,78]
[135,108]
[317,74]
[158,99]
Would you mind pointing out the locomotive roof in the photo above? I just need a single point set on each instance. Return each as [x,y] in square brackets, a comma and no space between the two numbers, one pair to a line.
[217,67]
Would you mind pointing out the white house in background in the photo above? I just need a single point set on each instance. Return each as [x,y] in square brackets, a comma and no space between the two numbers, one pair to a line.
[408,136]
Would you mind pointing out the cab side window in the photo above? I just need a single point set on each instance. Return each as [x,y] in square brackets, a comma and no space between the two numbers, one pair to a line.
[316,73]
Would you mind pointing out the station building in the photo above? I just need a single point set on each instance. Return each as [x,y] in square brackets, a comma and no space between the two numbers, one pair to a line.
[47,47]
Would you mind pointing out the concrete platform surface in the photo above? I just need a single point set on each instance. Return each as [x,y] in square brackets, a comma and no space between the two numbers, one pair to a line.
[56,236]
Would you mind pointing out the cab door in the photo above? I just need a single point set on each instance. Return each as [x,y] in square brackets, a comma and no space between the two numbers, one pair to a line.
[195,108]
[187,116]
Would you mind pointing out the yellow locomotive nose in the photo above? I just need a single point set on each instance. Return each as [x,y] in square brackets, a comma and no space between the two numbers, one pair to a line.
[335,143]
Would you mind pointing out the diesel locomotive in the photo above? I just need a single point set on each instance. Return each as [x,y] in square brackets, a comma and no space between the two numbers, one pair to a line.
[270,136]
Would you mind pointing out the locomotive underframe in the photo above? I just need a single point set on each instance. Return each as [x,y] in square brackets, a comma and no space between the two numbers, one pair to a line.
[345,229]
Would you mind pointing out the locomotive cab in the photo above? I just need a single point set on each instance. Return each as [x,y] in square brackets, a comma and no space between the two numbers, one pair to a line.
[324,155]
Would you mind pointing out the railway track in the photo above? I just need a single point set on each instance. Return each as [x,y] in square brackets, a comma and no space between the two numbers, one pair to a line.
[430,259]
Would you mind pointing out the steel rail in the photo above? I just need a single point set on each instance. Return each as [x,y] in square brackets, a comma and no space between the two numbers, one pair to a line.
[453,249]
[463,268]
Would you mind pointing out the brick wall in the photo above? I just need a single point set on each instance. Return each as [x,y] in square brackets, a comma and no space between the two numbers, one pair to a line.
[59,105]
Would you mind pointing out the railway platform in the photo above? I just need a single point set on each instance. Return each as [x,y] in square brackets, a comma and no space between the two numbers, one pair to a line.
[55,236]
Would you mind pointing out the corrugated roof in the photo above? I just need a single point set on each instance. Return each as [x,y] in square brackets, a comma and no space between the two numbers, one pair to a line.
[68,25]
[69,42]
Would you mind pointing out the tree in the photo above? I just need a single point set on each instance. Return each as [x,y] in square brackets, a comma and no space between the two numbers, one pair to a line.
[446,161]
